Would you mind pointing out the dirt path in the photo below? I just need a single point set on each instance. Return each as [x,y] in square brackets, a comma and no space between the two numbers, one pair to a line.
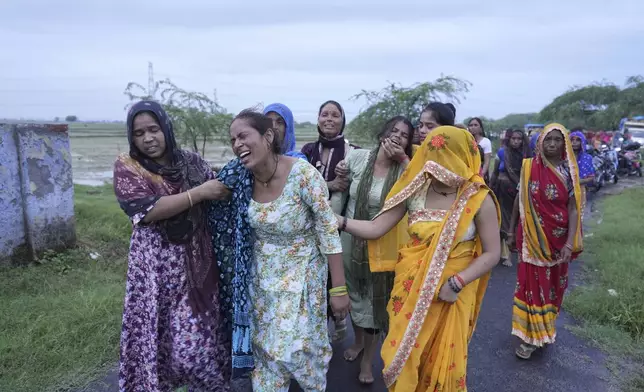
[569,365]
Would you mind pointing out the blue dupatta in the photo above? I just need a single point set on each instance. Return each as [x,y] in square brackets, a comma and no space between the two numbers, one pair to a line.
[288,144]
[232,241]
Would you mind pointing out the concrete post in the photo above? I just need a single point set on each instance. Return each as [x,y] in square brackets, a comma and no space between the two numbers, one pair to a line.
[36,190]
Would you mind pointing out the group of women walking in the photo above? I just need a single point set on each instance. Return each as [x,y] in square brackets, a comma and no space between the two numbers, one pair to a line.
[239,271]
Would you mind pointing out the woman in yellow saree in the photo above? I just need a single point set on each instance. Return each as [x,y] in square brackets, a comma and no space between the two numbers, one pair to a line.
[441,257]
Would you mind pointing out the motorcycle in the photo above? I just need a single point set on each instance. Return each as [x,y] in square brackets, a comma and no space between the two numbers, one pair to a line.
[629,160]
[604,168]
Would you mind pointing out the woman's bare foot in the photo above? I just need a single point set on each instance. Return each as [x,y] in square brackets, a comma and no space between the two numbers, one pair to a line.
[507,262]
[353,352]
[366,373]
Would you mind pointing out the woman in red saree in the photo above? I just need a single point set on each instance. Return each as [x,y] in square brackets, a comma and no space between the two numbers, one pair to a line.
[548,237]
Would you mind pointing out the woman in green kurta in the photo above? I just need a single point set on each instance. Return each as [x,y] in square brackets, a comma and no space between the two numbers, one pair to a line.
[371,175]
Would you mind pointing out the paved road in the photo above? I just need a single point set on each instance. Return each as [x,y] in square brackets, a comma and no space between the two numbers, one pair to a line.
[570,365]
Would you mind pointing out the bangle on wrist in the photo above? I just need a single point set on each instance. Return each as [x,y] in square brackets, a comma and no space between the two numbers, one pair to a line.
[453,285]
[460,280]
[338,291]
[343,226]
[190,199]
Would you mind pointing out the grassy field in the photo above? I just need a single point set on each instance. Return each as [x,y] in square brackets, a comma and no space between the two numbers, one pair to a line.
[60,321]
[614,320]
[94,146]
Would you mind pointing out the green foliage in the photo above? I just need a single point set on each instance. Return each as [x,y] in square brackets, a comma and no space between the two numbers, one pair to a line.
[396,100]
[197,118]
[70,118]
[596,106]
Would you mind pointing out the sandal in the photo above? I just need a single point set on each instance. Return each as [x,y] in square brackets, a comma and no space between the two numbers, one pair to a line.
[524,351]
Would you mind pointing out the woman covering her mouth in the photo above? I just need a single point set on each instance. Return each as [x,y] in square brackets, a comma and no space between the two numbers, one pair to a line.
[171,334]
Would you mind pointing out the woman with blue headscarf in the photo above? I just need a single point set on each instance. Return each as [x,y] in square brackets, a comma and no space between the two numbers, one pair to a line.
[584,159]
[285,126]
[171,332]
[584,162]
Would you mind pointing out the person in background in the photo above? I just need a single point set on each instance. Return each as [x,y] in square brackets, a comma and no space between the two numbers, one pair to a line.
[475,126]
[584,163]
[505,179]
[548,213]
[584,159]
[434,115]
[371,175]
[172,332]
[284,126]
[441,256]
[293,227]
[325,154]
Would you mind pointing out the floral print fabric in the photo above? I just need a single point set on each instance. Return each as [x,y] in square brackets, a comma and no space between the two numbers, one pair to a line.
[164,345]
[288,283]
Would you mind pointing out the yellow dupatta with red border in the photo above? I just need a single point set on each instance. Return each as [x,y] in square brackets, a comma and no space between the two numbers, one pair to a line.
[535,247]
[449,155]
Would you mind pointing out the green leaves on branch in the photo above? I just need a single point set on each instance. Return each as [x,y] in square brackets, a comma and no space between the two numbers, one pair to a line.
[197,118]
[396,100]
[598,105]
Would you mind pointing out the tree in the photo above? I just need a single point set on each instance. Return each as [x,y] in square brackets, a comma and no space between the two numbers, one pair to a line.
[598,105]
[197,118]
[396,100]
[71,118]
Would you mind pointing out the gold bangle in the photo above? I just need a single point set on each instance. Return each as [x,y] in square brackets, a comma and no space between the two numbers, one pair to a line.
[190,199]
[338,291]
[339,294]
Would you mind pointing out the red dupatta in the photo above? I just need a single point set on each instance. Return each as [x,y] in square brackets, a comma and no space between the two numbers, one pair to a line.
[544,195]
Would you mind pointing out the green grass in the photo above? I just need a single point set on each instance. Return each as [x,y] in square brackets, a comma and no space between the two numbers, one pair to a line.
[60,322]
[614,261]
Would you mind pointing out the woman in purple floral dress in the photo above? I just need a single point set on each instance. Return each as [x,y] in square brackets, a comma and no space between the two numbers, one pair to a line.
[173,334]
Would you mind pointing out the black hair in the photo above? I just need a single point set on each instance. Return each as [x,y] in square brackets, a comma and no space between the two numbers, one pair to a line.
[389,126]
[451,107]
[442,113]
[261,124]
[480,124]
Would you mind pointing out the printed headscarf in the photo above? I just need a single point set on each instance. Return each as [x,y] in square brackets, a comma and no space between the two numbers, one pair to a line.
[288,144]
[543,204]
[451,156]
[584,160]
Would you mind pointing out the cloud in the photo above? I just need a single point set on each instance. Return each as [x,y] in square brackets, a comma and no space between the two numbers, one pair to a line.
[76,57]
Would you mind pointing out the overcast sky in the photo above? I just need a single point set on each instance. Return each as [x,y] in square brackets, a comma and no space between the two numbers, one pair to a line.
[76,57]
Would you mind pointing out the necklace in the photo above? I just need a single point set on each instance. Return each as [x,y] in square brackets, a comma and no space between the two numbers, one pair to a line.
[265,183]
[444,194]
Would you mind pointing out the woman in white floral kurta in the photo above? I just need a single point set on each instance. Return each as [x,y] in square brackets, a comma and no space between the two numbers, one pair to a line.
[294,227]
[288,288]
